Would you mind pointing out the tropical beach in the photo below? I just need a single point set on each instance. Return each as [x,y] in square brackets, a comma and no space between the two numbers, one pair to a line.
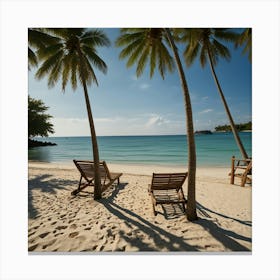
[123,221]
[147,166]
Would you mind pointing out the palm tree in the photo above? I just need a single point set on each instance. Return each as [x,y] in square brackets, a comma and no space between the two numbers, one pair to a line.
[204,42]
[245,38]
[143,45]
[37,39]
[70,58]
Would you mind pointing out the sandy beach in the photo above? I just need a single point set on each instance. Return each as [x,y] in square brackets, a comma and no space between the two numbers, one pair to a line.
[123,221]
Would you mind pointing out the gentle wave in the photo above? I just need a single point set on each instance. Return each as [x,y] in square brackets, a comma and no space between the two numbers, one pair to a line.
[212,150]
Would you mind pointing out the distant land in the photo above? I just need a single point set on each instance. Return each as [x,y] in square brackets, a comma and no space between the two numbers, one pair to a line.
[240,127]
[203,132]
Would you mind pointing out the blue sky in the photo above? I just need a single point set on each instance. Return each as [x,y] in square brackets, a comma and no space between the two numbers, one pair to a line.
[125,105]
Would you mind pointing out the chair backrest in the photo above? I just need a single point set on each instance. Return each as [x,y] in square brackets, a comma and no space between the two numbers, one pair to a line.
[162,181]
[86,169]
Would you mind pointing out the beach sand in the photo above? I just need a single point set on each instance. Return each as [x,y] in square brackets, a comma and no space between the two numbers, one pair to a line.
[123,221]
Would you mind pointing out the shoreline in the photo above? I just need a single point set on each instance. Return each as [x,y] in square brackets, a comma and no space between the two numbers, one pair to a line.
[137,169]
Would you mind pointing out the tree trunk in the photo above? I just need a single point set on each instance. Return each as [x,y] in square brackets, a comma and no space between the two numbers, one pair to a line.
[97,179]
[191,201]
[233,128]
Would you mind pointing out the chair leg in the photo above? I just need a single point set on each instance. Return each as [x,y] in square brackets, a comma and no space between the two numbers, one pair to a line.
[154,210]
[184,208]
[78,189]
[153,203]
[243,181]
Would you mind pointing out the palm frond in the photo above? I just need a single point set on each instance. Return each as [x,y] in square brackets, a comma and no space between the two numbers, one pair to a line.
[32,58]
[142,62]
[46,52]
[141,45]
[48,64]
[71,54]
[221,50]
[96,38]
[95,59]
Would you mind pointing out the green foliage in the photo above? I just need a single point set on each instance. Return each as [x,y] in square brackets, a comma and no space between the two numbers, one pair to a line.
[143,45]
[245,39]
[204,41]
[37,38]
[38,120]
[239,127]
[70,56]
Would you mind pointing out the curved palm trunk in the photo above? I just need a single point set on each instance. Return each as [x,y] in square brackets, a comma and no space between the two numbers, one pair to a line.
[191,204]
[233,128]
[97,179]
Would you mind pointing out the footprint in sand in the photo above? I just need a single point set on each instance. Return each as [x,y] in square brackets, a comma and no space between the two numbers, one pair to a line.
[73,226]
[33,247]
[43,235]
[49,244]
[61,227]
[73,234]
[30,234]
[88,228]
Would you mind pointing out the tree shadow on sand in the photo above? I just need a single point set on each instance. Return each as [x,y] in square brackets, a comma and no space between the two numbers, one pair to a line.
[47,185]
[204,211]
[226,237]
[163,240]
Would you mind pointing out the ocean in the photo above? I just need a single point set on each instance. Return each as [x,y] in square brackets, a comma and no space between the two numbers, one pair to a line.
[213,150]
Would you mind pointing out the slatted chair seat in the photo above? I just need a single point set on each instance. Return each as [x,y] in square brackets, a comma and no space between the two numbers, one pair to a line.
[86,169]
[241,168]
[166,188]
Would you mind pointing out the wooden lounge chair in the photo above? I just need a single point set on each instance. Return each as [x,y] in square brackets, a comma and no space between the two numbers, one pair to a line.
[167,189]
[241,168]
[86,169]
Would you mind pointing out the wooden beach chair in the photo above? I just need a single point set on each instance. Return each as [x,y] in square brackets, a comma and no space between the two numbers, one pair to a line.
[241,168]
[86,169]
[167,189]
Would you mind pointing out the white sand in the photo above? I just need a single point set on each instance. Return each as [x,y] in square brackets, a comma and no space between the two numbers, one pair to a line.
[123,219]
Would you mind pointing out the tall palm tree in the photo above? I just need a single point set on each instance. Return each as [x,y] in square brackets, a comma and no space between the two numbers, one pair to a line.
[143,45]
[245,38]
[70,58]
[205,44]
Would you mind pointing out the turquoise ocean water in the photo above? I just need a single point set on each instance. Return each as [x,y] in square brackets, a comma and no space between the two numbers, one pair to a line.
[213,150]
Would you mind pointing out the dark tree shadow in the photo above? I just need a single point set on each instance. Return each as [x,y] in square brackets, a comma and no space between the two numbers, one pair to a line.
[220,234]
[204,211]
[161,238]
[224,236]
[46,185]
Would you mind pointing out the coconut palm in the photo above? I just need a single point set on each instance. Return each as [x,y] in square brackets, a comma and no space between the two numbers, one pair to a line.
[150,45]
[70,58]
[37,39]
[205,43]
[245,38]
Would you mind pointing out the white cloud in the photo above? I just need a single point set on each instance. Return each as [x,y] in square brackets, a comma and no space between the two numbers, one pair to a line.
[156,120]
[146,124]
[206,111]
[145,86]
[71,127]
